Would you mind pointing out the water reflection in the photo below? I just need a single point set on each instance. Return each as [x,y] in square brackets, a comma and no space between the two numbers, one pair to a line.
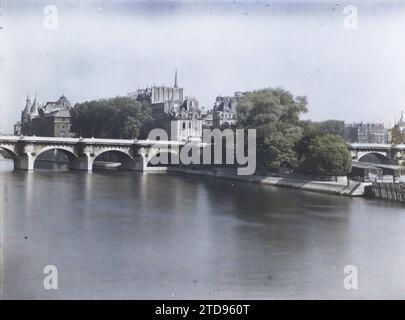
[132,235]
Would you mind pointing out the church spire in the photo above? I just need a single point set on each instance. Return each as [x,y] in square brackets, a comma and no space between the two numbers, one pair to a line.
[27,105]
[34,107]
[175,79]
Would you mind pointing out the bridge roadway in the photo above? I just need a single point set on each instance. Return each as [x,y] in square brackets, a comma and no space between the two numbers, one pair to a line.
[376,146]
[82,152]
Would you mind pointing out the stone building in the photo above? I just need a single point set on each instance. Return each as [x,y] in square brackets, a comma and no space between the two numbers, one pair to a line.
[207,119]
[224,111]
[367,133]
[185,130]
[189,109]
[51,119]
[399,129]
[184,112]
[401,123]
[163,100]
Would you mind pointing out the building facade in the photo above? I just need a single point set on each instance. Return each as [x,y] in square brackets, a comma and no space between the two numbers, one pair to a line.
[185,130]
[401,123]
[51,119]
[207,119]
[183,111]
[224,111]
[163,100]
[189,109]
[367,133]
[397,133]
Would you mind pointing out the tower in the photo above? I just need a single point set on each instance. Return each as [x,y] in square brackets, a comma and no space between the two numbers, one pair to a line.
[401,121]
[175,79]
[34,107]
[26,110]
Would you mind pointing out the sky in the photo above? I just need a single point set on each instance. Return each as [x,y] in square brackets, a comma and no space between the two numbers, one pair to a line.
[108,48]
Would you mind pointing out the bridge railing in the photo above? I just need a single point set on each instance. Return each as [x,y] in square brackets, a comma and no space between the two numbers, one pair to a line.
[376,146]
[145,142]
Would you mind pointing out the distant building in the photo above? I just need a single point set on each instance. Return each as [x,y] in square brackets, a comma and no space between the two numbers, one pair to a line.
[397,133]
[189,109]
[207,119]
[367,133]
[401,123]
[170,101]
[51,119]
[187,130]
[18,128]
[163,100]
[224,111]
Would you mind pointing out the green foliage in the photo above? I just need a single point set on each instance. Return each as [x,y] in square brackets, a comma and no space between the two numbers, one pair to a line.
[323,154]
[309,130]
[283,140]
[162,122]
[274,113]
[119,117]
[333,127]
[269,106]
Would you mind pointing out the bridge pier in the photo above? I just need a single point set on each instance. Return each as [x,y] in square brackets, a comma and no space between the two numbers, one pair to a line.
[141,162]
[24,162]
[82,163]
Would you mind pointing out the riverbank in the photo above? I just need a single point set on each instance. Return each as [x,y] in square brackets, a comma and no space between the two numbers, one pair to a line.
[354,189]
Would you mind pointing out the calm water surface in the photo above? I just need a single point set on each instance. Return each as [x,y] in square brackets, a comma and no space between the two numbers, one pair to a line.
[146,236]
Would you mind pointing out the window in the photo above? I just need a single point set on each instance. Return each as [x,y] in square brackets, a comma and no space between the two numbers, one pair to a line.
[184,125]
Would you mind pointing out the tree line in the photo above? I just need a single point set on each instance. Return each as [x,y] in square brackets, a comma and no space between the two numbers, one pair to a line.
[284,141]
[117,118]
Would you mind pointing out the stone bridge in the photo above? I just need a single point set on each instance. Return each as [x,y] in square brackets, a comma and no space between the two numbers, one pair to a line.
[82,152]
[384,153]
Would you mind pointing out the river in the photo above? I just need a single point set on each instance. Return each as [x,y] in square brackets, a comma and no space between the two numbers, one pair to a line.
[129,235]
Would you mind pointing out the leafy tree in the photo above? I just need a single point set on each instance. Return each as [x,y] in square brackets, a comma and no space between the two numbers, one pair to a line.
[324,154]
[310,130]
[119,117]
[333,127]
[161,122]
[274,113]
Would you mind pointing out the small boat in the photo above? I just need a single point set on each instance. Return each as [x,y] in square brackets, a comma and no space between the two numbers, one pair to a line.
[106,165]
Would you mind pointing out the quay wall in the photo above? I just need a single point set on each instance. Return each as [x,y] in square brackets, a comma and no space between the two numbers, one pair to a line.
[337,188]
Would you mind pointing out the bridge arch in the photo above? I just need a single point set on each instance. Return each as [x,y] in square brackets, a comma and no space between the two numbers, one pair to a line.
[128,162]
[68,152]
[11,153]
[375,157]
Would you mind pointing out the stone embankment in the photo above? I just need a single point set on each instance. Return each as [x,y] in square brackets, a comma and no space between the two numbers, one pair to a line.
[354,188]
